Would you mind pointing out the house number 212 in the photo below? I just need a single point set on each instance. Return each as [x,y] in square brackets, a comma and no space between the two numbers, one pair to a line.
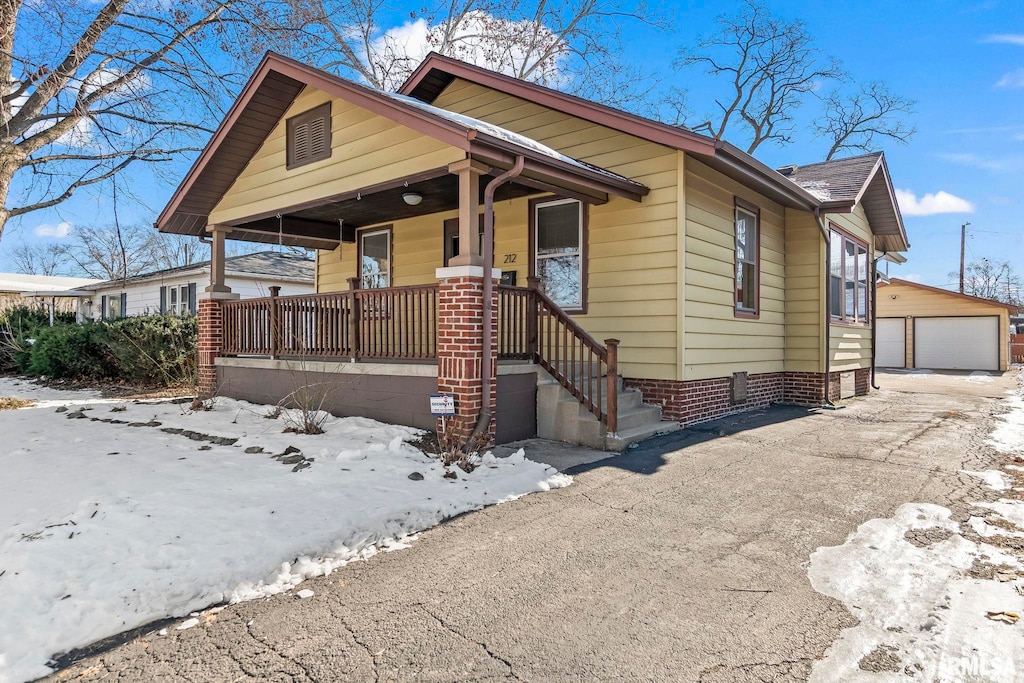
[510,258]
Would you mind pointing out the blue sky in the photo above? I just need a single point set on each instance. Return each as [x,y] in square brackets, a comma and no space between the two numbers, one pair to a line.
[962,61]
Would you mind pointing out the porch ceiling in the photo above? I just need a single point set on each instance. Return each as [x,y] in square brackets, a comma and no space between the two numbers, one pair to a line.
[315,225]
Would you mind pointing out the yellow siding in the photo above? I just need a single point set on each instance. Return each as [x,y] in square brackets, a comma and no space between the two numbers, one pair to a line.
[633,262]
[717,342]
[805,292]
[914,302]
[366,149]
[850,345]
[418,248]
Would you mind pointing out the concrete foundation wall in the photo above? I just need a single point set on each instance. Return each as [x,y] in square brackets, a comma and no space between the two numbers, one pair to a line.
[393,393]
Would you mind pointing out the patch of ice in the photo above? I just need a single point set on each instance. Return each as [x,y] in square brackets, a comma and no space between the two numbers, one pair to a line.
[986,530]
[980,377]
[187,624]
[1008,436]
[304,594]
[917,600]
[994,479]
[106,527]
[1010,510]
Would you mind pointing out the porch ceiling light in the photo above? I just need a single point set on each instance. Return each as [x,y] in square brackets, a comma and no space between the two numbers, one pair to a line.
[412,198]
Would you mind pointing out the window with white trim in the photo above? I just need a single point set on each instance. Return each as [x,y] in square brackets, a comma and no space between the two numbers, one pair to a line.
[848,279]
[747,237]
[177,299]
[375,259]
[558,250]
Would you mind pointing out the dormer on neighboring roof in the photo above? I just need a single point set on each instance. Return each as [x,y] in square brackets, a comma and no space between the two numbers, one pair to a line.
[842,184]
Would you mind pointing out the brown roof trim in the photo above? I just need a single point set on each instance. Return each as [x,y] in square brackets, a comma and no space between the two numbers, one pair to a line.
[647,129]
[450,132]
[958,295]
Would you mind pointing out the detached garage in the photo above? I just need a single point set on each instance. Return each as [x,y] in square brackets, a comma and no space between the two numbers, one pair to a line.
[925,327]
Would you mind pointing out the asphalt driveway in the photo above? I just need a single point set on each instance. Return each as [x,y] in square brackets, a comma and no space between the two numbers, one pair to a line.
[684,559]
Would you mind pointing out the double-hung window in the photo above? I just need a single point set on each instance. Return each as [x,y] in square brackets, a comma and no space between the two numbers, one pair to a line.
[177,299]
[375,258]
[559,251]
[848,279]
[748,237]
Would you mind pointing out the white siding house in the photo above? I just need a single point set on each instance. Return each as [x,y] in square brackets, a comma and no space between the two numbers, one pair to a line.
[174,290]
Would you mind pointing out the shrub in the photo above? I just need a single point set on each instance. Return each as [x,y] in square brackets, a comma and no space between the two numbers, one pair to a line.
[19,323]
[155,349]
[71,351]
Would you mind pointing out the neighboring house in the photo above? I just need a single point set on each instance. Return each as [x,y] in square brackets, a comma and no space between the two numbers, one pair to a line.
[650,276]
[44,290]
[930,328]
[174,290]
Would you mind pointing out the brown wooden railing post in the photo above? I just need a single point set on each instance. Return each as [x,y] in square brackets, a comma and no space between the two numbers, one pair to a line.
[533,284]
[353,318]
[613,385]
[275,332]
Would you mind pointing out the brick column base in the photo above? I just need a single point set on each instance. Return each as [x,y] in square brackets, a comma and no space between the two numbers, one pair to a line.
[460,351]
[211,339]
[862,381]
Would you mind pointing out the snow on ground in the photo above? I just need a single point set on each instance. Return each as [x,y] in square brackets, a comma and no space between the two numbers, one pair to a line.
[1008,436]
[921,608]
[994,479]
[108,526]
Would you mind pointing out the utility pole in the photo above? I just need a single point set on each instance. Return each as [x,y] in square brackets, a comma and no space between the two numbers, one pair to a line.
[963,240]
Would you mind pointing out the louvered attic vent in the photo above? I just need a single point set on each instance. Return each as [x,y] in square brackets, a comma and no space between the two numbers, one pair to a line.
[309,136]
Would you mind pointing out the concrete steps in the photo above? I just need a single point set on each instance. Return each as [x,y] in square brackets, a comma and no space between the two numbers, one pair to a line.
[561,417]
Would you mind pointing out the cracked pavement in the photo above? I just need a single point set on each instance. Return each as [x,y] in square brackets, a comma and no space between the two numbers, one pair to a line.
[683,559]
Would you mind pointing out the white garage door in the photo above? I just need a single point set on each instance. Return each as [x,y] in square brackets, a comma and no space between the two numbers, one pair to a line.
[957,343]
[891,340]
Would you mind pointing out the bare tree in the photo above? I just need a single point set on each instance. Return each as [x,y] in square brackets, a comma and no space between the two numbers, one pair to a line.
[857,121]
[992,280]
[771,66]
[88,89]
[574,46]
[172,251]
[111,253]
[36,259]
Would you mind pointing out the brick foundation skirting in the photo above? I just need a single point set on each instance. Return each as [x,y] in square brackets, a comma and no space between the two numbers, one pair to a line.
[702,400]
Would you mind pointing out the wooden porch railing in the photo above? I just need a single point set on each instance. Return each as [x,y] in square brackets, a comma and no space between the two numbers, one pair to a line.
[1017,348]
[395,323]
[401,323]
[531,326]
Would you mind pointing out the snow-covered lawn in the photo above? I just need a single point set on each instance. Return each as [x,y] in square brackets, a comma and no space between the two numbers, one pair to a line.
[937,600]
[111,517]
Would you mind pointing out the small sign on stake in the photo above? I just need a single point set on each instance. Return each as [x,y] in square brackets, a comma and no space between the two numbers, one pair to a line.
[442,404]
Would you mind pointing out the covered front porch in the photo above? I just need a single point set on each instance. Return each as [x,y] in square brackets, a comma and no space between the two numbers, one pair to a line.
[407,205]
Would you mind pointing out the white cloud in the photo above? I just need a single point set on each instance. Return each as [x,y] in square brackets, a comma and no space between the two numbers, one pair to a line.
[1010,164]
[1005,38]
[62,229]
[479,38]
[911,277]
[1014,79]
[931,204]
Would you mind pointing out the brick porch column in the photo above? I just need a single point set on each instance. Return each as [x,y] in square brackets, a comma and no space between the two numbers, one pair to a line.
[460,347]
[211,315]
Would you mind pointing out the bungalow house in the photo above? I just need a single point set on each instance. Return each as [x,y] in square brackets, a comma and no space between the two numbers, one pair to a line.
[175,290]
[632,276]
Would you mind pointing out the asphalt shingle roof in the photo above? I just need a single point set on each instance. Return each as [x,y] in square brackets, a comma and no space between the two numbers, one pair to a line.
[836,180]
[269,263]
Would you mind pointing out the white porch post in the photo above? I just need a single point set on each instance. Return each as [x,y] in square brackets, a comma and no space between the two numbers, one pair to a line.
[469,172]
[219,233]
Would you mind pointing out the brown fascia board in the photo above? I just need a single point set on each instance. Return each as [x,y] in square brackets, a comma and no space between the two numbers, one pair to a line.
[761,174]
[646,129]
[958,295]
[448,132]
[559,169]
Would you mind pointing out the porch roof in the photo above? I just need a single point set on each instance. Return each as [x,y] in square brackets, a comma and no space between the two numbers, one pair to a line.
[273,88]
